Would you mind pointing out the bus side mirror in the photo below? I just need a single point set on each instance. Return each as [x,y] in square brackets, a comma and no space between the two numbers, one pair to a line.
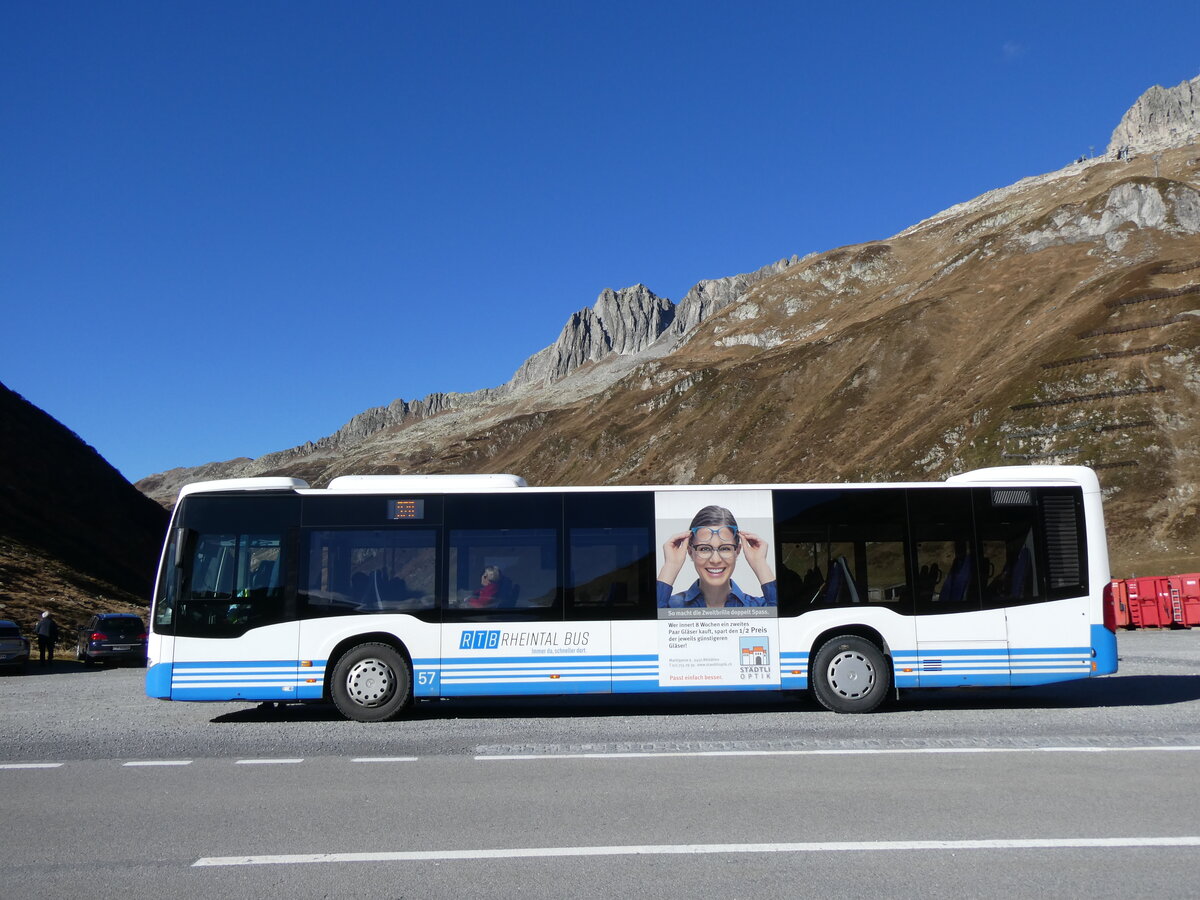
[181,542]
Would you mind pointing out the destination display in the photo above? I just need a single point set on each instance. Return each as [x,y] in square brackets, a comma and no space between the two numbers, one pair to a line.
[406,509]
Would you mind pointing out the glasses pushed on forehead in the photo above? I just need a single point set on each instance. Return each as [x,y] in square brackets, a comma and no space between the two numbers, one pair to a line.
[708,532]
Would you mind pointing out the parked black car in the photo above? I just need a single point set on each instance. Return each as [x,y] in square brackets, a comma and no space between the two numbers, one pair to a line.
[14,647]
[112,637]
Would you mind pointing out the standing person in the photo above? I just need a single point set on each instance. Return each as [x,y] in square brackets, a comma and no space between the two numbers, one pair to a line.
[47,634]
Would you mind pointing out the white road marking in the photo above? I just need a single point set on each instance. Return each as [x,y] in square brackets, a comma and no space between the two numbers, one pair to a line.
[704,849]
[268,762]
[869,752]
[158,762]
[30,765]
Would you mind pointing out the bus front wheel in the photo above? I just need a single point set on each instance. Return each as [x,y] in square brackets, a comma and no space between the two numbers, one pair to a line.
[370,683]
[850,674]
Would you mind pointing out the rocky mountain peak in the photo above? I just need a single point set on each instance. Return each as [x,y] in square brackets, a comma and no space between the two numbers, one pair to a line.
[621,322]
[1161,118]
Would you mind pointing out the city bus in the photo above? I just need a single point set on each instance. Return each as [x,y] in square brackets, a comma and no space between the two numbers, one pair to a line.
[378,591]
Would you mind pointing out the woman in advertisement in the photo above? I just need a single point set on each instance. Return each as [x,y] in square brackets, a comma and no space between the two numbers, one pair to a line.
[714,542]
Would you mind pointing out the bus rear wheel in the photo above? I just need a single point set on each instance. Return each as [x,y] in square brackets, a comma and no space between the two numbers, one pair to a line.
[370,683]
[850,674]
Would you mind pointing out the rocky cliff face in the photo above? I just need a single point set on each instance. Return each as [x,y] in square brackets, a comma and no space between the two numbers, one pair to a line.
[1161,118]
[620,322]
[709,297]
[1051,321]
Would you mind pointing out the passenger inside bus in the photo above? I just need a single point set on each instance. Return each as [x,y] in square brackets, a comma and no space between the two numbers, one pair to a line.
[488,594]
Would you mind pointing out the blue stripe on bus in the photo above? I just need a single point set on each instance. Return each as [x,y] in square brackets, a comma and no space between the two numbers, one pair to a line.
[248,693]
[976,680]
[538,660]
[622,673]
[526,688]
[214,680]
[158,681]
[635,687]
[515,675]
[1104,648]
[1000,651]
[239,663]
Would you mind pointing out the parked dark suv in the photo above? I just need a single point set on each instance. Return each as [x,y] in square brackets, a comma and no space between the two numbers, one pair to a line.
[112,637]
[14,648]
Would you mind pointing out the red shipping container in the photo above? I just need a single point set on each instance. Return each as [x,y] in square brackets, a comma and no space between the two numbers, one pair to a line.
[1146,607]
[1131,602]
[1187,587]
[1134,601]
[1166,611]
[1120,604]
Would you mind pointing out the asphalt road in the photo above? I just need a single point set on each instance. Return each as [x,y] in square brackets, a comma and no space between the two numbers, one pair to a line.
[1076,789]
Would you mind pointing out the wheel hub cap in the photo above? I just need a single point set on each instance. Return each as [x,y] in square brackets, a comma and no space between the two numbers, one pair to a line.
[370,682]
[851,675]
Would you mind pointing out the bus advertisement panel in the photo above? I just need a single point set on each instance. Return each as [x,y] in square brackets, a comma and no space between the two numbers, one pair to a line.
[716,590]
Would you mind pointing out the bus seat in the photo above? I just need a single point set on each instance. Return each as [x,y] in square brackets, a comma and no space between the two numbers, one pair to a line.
[958,580]
[508,593]
[839,582]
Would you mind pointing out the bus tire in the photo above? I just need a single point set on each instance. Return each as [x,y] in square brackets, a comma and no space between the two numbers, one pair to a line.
[370,683]
[850,674]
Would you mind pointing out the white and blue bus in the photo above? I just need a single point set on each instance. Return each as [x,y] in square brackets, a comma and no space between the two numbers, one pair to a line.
[378,591]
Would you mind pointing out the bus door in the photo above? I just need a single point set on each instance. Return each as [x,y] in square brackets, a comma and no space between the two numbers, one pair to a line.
[235,634]
[225,620]
[960,639]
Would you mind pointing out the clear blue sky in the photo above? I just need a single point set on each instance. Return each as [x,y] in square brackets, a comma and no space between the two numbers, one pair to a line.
[228,227]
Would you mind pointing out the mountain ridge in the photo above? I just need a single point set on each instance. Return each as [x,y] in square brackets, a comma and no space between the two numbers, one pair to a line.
[1052,320]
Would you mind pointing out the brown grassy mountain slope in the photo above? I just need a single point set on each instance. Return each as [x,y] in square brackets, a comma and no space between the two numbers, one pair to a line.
[1054,321]
[75,536]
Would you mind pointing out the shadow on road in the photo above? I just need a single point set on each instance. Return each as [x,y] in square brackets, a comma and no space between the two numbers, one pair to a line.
[1128,690]
[1133,690]
[69,666]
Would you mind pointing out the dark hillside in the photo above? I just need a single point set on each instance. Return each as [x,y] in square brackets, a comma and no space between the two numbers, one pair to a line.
[75,536]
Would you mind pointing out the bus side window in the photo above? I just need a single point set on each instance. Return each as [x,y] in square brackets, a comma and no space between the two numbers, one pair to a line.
[946,564]
[503,568]
[171,574]
[235,584]
[610,556]
[365,571]
[841,548]
[1006,523]
[503,557]
[608,573]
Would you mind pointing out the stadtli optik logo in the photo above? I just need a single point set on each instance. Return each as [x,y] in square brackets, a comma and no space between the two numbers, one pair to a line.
[755,651]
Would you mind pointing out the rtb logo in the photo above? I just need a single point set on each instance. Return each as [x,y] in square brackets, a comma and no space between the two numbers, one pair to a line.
[480,639]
